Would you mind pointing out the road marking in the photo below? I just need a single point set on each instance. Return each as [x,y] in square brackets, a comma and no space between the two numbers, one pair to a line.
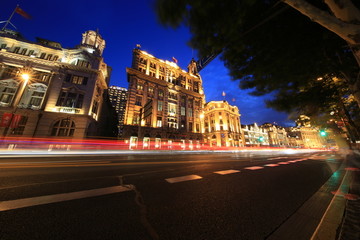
[293,161]
[34,201]
[183,178]
[254,168]
[272,165]
[227,172]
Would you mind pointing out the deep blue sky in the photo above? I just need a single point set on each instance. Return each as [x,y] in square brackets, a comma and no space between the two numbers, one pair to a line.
[123,24]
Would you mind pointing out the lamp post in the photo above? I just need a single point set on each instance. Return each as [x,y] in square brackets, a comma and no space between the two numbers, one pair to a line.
[25,77]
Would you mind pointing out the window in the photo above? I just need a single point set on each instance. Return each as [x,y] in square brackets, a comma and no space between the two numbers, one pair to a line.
[21,127]
[70,99]
[3,46]
[63,128]
[42,55]
[151,90]
[173,96]
[190,112]
[190,126]
[23,51]
[159,122]
[160,106]
[16,50]
[76,79]
[138,101]
[161,93]
[31,52]
[7,95]
[95,107]
[36,98]
[182,111]
[172,109]
[139,86]
[136,119]
[82,63]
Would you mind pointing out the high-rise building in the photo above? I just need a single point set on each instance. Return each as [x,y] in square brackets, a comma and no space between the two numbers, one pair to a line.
[222,126]
[48,90]
[118,97]
[164,102]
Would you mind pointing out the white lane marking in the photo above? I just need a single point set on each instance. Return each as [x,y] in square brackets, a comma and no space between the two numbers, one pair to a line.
[254,168]
[283,163]
[277,158]
[34,201]
[272,165]
[183,178]
[227,172]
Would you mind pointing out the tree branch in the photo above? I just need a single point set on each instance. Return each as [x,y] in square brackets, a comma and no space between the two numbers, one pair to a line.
[347,31]
[344,10]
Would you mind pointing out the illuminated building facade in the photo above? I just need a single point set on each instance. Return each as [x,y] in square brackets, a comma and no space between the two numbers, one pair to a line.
[305,137]
[255,135]
[63,96]
[164,102]
[222,124]
[118,98]
[277,135]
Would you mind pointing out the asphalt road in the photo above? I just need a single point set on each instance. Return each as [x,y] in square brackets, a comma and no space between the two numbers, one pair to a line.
[157,196]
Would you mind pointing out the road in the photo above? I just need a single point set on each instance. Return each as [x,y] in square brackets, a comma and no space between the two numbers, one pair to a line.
[224,195]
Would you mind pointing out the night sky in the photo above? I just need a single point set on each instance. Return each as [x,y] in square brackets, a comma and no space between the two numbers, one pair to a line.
[123,24]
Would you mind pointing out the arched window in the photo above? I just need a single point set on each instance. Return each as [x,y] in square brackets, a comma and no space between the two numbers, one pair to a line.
[8,90]
[33,96]
[63,128]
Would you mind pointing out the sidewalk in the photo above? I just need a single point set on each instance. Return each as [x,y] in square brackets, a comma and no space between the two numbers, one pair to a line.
[350,229]
[333,212]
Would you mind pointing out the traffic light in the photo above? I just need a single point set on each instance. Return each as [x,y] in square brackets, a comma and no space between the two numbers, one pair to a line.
[261,139]
[323,133]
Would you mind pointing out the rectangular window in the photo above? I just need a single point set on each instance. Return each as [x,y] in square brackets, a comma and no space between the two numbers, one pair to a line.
[172,109]
[138,101]
[31,52]
[21,127]
[42,55]
[16,50]
[182,111]
[139,86]
[23,51]
[3,46]
[190,126]
[36,98]
[159,122]
[190,112]
[160,106]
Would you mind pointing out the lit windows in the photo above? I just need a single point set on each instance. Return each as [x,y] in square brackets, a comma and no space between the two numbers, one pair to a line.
[172,109]
[139,86]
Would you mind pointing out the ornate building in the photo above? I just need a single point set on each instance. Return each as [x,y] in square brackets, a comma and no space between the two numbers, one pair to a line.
[255,135]
[47,90]
[118,97]
[277,135]
[222,125]
[164,102]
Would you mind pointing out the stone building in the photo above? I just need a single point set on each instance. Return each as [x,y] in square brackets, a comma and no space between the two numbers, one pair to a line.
[50,91]
[118,98]
[222,125]
[277,135]
[164,103]
[255,136]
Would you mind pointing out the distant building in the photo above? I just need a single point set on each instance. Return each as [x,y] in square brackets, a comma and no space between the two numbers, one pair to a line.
[277,135]
[48,90]
[305,137]
[164,102]
[118,98]
[255,135]
[222,124]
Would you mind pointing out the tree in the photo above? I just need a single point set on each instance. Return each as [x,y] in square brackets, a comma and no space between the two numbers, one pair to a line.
[265,44]
[343,18]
